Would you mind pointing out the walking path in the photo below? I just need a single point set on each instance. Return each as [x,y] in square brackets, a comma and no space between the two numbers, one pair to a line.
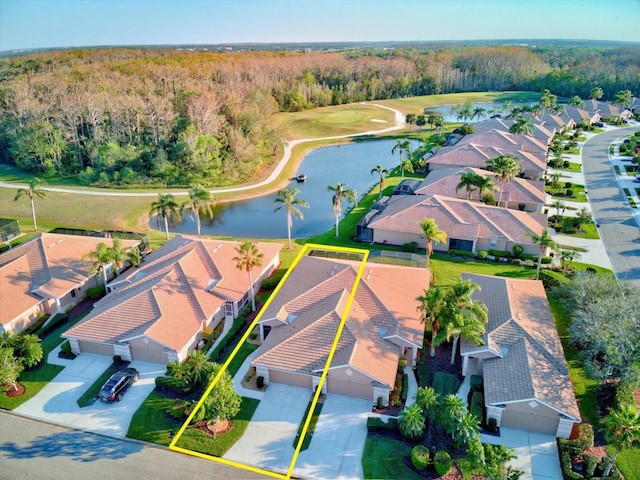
[288,147]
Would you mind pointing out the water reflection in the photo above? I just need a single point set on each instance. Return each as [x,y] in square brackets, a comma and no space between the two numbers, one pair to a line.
[255,218]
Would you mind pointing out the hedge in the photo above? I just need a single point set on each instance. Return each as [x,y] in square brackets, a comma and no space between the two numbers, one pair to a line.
[551,279]
[477,405]
[56,321]
[461,253]
[173,384]
[500,253]
[376,424]
[444,383]
[96,292]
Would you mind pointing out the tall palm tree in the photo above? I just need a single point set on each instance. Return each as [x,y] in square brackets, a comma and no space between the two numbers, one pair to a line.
[341,191]
[431,234]
[479,113]
[451,407]
[200,366]
[468,181]
[383,172]
[287,198]
[165,207]
[505,168]
[248,258]
[32,191]
[99,260]
[544,241]
[466,427]
[199,203]
[428,399]
[559,205]
[432,302]
[401,146]
[483,184]
[596,93]
[622,429]
[568,256]
[522,126]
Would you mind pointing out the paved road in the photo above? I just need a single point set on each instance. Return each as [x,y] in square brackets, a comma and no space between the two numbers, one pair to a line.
[30,450]
[618,229]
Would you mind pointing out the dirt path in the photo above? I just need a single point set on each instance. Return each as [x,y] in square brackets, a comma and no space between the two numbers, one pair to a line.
[245,190]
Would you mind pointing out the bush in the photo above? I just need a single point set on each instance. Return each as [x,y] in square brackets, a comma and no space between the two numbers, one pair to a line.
[569,192]
[260,381]
[551,279]
[521,207]
[56,321]
[376,424]
[476,382]
[482,254]
[411,247]
[444,383]
[442,462]
[492,425]
[96,292]
[379,403]
[199,415]
[271,283]
[117,360]
[178,409]
[173,384]
[66,348]
[34,328]
[499,253]
[420,457]
[547,260]
[461,253]
[405,387]
[518,250]
[585,436]
[488,198]
[477,405]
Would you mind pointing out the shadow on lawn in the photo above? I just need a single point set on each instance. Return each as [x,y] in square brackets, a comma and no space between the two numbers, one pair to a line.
[80,446]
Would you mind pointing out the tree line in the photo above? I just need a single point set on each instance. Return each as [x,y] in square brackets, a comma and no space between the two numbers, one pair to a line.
[159,117]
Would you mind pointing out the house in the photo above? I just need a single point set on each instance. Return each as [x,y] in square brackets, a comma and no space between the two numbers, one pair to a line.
[157,312]
[539,132]
[607,110]
[551,121]
[46,275]
[526,378]
[470,226]
[579,115]
[518,193]
[299,327]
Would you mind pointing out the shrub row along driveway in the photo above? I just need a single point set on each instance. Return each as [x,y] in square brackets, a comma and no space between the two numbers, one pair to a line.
[56,403]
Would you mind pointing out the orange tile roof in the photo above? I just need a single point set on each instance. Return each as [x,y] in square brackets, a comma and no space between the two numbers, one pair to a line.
[521,331]
[313,300]
[177,287]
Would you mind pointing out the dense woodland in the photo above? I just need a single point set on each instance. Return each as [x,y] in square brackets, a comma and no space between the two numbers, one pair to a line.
[171,117]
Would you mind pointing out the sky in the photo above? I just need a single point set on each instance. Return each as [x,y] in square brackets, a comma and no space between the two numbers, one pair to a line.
[26,24]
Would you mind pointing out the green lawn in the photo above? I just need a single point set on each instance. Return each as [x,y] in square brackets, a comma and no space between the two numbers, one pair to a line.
[312,424]
[197,441]
[573,167]
[89,397]
[558,192]
[150,422]
[384,458]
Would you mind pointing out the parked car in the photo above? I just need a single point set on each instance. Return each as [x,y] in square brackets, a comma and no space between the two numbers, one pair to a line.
[118,383]
[598,124]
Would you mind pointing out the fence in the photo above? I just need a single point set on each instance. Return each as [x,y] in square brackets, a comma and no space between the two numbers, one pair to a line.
[376,256]
[8,229]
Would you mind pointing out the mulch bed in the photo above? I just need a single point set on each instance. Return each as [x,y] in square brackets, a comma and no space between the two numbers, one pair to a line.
[217,428]
[10,392]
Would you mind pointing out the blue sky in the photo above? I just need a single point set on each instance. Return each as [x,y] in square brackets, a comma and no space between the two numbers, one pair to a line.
[63,23]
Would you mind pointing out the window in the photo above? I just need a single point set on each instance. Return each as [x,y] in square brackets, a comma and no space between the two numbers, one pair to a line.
[457,244]
[73,293]
[493,243]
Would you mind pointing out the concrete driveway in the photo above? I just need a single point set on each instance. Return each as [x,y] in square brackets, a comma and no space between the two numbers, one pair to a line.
[338,442]
[56,403]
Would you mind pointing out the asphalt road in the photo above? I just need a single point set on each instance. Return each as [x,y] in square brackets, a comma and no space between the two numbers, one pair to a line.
[618,229]
[35,450]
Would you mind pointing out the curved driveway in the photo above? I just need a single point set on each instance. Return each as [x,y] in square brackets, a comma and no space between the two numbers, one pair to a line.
[618,228]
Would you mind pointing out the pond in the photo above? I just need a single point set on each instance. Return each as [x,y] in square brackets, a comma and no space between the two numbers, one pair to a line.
[450,112]
[255,218]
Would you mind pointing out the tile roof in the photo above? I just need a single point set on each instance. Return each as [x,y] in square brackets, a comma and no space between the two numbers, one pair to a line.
[530,361]
[444,182]
[312,302]
[504,124]
[177,287]
[459,218]
[506,141]
[47,266]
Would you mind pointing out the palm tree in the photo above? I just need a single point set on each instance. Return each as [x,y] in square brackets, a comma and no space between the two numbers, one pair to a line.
[411,422]
[479,112]
[29,349]
[544,241]
[468,181]
[622,429]
[466,112]
[428,399]
[568,256]
[483,184]
[339,192]
[559,205]
[432,302]
[576,101]
[200,366]
[467,426]
[248,258]
[431,234]
[522,126]
[410,118]
[596,93]
[451,407]
[118,255]
[401,146]
[287,199]
[383,172]
[99,259]
[199,204]
[165,207]
[505,168]
[32,191]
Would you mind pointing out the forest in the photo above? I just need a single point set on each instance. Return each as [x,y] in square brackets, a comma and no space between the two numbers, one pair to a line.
[128,117]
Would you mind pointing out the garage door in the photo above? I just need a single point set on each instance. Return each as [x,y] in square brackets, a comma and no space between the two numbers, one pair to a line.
[293,379]
[350,389]
[96,348]
[530,421]
[149,355]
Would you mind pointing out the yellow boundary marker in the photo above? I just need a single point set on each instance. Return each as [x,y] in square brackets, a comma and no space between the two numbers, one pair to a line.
[316,396]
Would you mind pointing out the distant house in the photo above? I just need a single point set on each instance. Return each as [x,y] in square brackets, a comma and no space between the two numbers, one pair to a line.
[470,226]
[157,312]
[551,121]
[381,326]
[607,110]
[526,378]
[540,132]
[528,194]
[46,275]
[579,115]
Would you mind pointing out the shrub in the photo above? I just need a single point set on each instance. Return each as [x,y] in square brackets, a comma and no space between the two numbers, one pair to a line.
[569,192]
[117,360]
[178,409]
[477,402]
[476,382]
[271,283]
[546,260]
[405,388]
[482,254]
[420,457]
[488,198]
[34,328]
[66,347]
[521,207]
[376,424]
[442,462]
[625,394]
[444,383]
[57,320]
[461,253]
[199,415]
[551,279]
[96,292]
[518,250]
[492,425]
[260,381]
[585,436]
[379,403]
[565,462]
[411,247]
[173,384]
[499,253]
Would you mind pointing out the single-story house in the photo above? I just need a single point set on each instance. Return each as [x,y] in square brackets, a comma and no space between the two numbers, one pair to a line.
[551,121]
[46,275]
[540,132]
[518,193]
[470,226]
[382,325]
[607,110]
[506,141]
[526,378]
[579,115]
[157,312]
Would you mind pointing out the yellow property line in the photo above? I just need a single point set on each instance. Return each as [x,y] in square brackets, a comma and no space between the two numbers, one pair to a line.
[303,252]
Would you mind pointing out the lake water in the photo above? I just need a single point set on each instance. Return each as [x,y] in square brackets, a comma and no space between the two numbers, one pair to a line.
[255,218]
[450,112]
